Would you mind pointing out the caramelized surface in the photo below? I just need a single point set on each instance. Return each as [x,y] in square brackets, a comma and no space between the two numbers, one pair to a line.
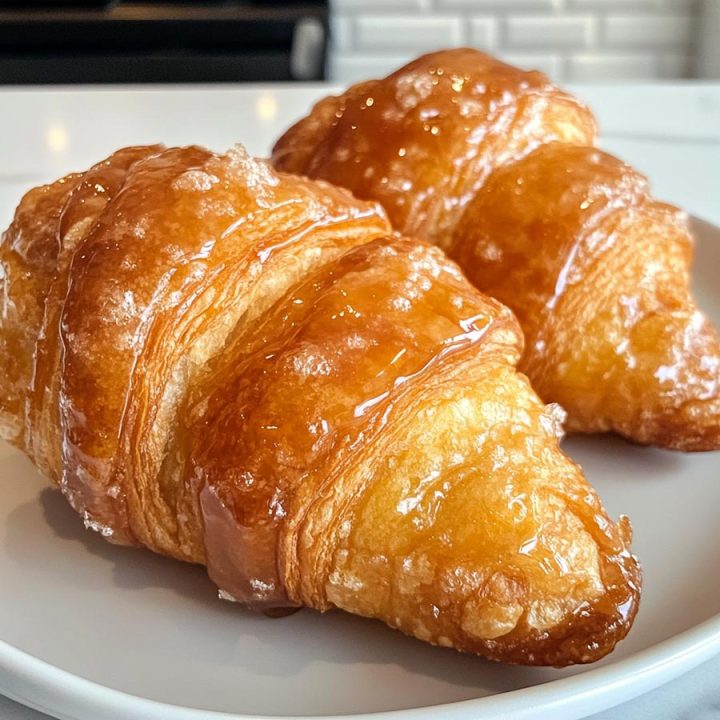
[424,139]
[494,165]
[151,259]
[598,275]
[80,210]
[373,429]
[28,253]
[242,369]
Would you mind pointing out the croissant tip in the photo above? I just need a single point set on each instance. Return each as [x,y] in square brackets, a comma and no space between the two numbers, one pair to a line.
[692,429]
[676,439]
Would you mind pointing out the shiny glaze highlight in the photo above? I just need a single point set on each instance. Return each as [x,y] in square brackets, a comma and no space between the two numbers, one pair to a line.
[598,273]
[423,140]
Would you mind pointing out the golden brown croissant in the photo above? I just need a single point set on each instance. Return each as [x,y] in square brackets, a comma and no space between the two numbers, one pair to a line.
[242,369]
[496,166]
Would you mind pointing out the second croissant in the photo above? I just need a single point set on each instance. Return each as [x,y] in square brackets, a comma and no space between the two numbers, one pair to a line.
[498,167]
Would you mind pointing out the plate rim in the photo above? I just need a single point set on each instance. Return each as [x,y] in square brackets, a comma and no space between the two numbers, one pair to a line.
[45,687]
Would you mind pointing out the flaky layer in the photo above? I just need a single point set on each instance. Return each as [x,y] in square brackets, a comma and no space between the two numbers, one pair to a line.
[28,253]
[129,277]
[598,274]
[373,428]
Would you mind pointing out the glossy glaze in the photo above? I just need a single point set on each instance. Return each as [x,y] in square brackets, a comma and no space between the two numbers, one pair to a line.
[496,166]
[316,381]
[139,237]
[82,207]
[240,368]
[597,272]
[373,430]
[424,139]
[28,254]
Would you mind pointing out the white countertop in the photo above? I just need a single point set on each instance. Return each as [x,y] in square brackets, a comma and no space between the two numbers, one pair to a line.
[671,132]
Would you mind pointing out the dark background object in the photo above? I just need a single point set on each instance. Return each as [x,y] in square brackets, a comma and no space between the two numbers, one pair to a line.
[127,42]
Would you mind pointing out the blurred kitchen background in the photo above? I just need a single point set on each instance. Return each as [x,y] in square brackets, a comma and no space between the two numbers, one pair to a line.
[91,41]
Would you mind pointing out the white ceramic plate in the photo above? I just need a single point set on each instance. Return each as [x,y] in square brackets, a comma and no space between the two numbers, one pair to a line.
[89,630]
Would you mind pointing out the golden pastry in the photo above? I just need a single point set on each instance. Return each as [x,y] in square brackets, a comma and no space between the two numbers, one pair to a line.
[496,166]
[243,369]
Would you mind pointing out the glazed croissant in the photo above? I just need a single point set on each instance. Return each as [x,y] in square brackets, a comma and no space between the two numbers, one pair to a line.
[497,166]
[240,368]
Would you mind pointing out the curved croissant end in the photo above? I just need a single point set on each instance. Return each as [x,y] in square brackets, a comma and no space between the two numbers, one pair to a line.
[494,165]
[598,274]
[372,427]
[239,368]
[151,255]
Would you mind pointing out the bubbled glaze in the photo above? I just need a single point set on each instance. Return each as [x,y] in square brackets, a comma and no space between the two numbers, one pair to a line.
[371,428]
[422,140]
[496,166]
[128,277]
[28,253]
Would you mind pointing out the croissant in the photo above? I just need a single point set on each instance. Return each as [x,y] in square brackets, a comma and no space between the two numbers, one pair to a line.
[244,369]
[497,167]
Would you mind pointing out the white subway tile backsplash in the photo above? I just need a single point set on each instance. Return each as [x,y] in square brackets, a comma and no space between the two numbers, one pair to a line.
[530,32]
[378,32]
[706,63]
[483,32]
[551,65]
[353,68]
[373,6]
[673,65]
[592,68]
[580,40]
[499,6]
[650,6]
[647,31]
[341,32]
